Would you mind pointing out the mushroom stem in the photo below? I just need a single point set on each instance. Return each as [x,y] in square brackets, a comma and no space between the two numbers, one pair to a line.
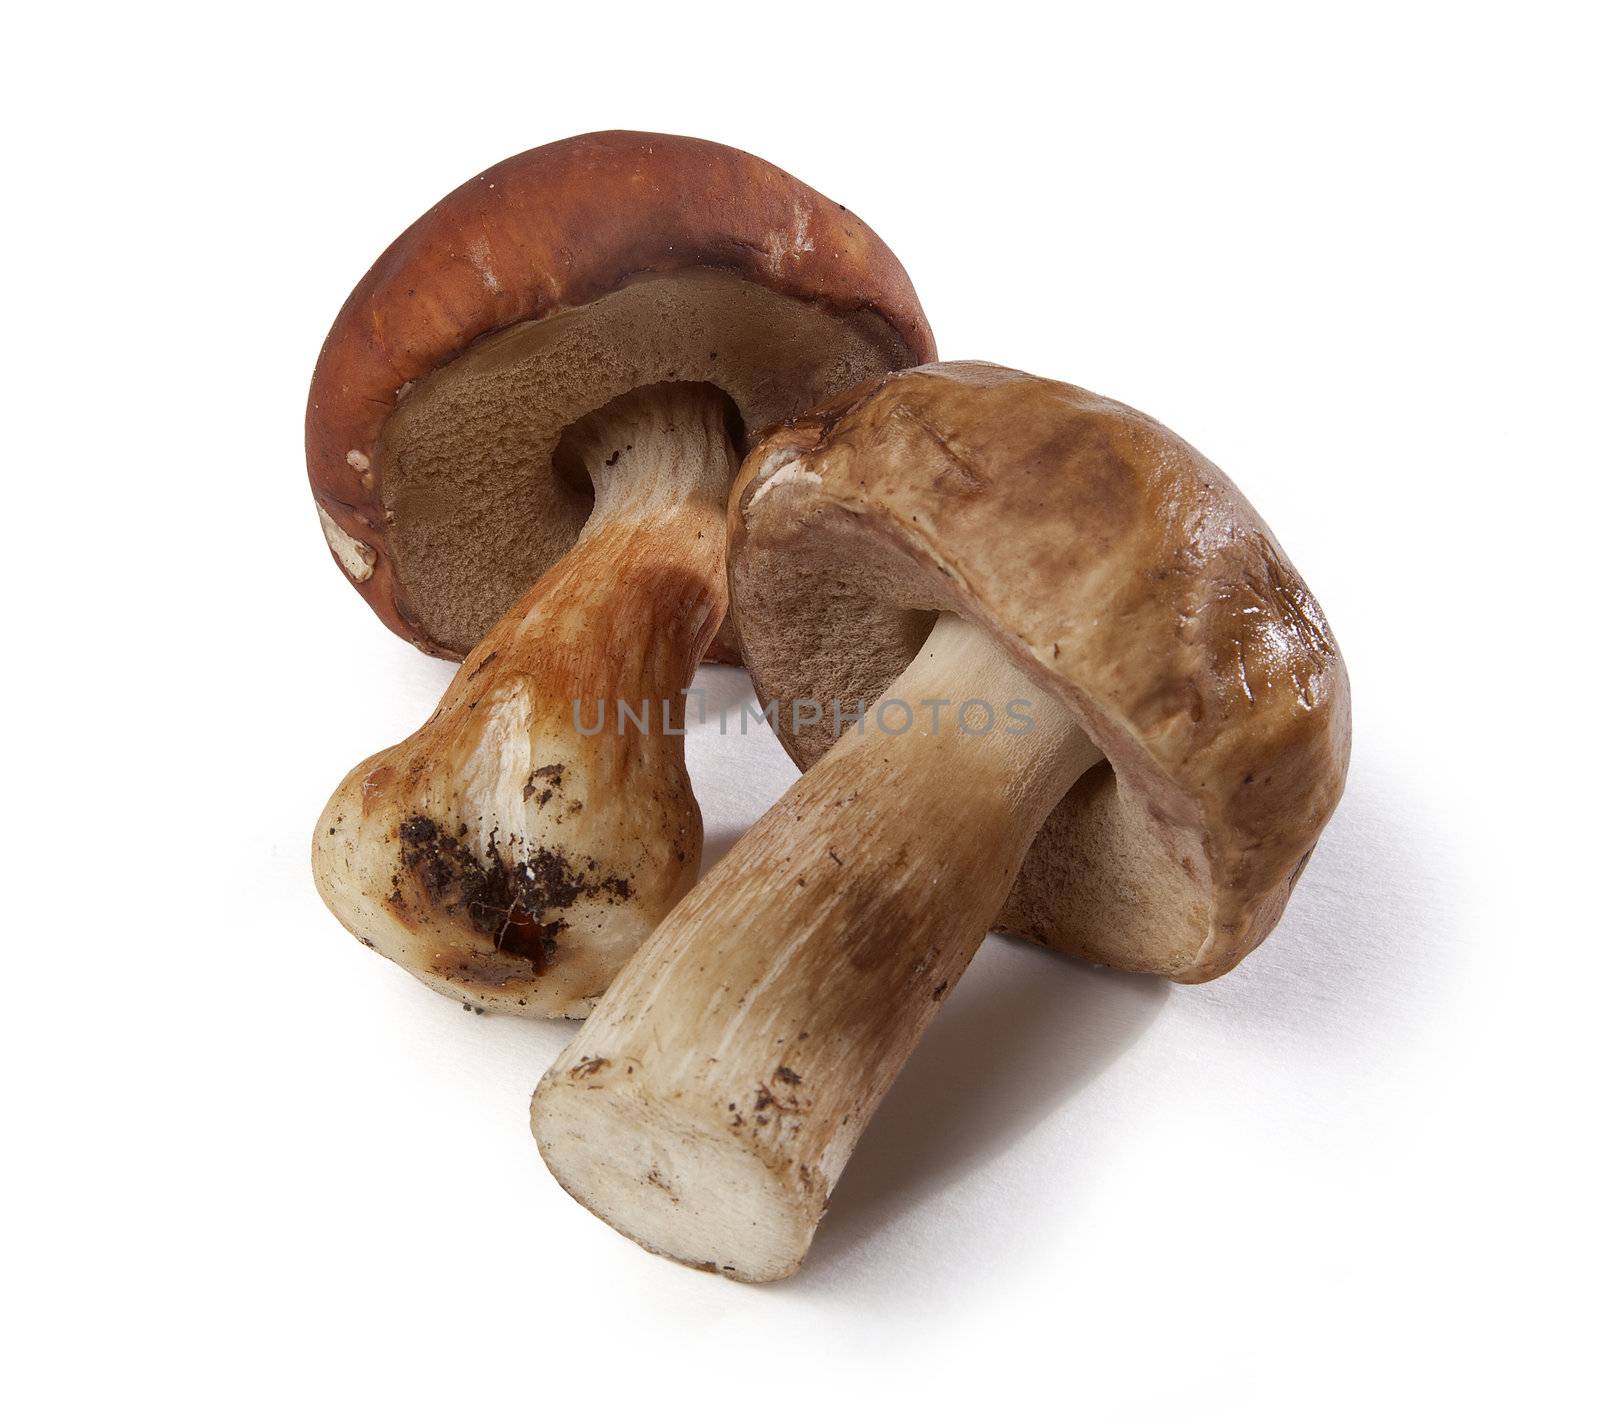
[710,1103]
[517,848]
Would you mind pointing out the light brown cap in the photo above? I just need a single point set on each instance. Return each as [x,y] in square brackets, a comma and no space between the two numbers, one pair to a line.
[1125,574]
[539,291]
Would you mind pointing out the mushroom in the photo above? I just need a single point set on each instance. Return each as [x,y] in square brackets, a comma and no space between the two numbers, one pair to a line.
[1101,710]
[521,434]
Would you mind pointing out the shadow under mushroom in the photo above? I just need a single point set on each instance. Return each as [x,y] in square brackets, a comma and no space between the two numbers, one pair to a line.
[1368,940]
[1025,1031]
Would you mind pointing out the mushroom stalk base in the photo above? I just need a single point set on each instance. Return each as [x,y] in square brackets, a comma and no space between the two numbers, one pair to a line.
[710,1103]
[515,850]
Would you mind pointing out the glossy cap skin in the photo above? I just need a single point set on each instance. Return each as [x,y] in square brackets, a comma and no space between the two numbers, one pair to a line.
[1125,573]
[547,233]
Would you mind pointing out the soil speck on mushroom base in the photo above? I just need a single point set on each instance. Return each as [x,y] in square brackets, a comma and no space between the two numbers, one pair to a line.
[505,901]
[550,774]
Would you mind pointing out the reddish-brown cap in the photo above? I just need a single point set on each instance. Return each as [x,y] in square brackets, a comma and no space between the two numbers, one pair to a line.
[664,258]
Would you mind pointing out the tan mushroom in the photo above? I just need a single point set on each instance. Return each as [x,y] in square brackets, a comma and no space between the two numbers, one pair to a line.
[521,434]
[1102,711]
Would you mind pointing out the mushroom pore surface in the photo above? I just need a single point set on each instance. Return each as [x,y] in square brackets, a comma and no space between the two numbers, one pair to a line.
[472,495]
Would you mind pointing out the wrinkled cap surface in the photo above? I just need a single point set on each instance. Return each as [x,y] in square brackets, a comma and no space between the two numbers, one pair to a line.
[1126,575]
[541,290]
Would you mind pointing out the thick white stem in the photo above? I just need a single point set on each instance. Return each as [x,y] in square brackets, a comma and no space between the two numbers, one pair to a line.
[709,1105]
[512,853]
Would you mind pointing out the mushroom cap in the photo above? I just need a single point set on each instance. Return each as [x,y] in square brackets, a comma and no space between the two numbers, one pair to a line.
[539,291]
[1123,572]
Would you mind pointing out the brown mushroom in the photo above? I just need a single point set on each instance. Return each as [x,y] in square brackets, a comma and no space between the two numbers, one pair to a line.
[1102,711]
[521,434]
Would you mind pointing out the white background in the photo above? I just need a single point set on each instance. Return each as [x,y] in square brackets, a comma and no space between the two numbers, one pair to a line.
[257,1172]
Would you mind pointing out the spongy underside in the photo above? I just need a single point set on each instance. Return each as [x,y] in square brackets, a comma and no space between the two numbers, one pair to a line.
[476,511]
